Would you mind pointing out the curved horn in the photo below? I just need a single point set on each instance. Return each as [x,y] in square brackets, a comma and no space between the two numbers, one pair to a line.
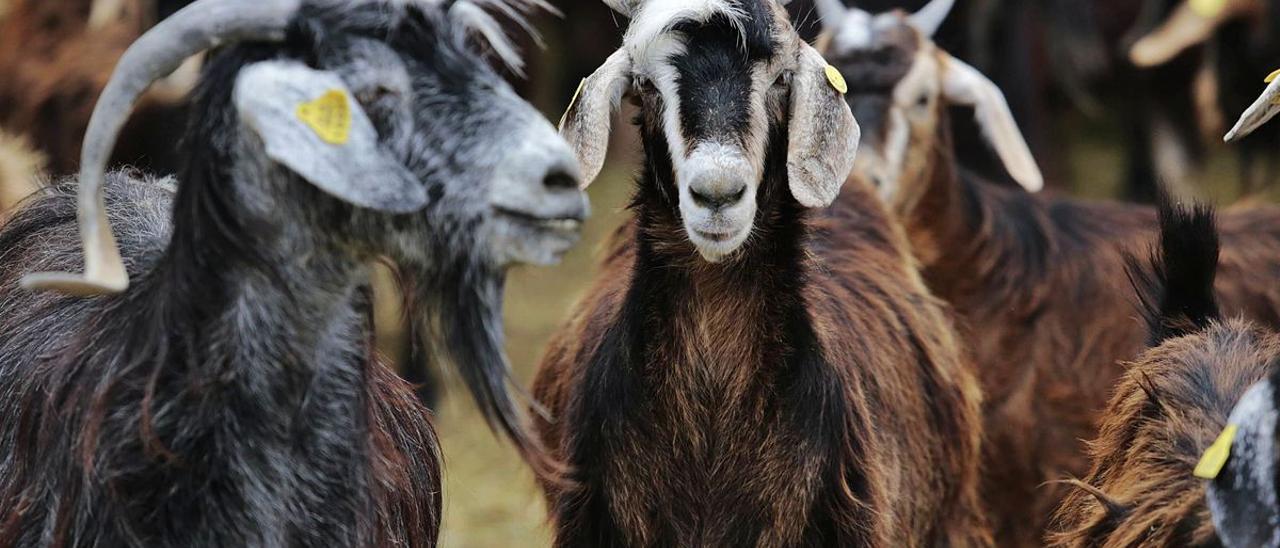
[831,12]
[929,19]
[1262,111]
[157,53]
[1190,24]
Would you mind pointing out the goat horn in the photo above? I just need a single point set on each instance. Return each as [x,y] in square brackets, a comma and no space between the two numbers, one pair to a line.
[200,26]
[1260,112]
[930,18]
[1191,23]
[831,12]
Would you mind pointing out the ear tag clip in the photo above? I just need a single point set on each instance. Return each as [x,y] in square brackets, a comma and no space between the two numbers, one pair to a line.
[836,79]
[1215,458]
[1208,9]
[1271,77]
[329,116]
[572,102]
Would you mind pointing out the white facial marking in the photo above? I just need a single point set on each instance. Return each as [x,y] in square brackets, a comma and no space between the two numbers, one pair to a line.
[717,170]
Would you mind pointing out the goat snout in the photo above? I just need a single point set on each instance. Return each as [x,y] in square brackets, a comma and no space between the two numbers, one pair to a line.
[561,178]
[717,193]
[539,177]
[538,202]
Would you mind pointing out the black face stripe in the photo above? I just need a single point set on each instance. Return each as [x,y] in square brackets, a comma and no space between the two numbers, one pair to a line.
[874,73]
[715,73]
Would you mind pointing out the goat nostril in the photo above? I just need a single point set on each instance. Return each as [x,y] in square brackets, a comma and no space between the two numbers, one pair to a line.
[560,180]
[718,201]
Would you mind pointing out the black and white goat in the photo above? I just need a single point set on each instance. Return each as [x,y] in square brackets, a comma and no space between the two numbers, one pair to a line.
[758,363]
[208,381]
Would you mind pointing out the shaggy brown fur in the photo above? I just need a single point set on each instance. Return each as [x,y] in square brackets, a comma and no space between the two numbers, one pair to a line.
[808,392]
[1040,287]
[1169,408]
[55,66]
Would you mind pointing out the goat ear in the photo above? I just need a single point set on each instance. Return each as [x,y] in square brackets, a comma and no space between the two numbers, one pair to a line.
[1260,112]
[964,85]
[309,123]
[586,123]
[823,136]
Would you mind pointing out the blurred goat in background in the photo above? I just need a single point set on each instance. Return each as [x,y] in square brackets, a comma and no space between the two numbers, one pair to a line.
[56,57]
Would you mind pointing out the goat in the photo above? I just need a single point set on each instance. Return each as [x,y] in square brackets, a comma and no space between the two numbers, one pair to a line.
[1034,280]
[57,56]
[209,381]
[750,369]
[1039,49]
[1169,408]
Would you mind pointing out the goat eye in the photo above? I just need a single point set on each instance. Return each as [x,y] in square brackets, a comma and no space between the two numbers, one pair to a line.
[374,95]
[922,101]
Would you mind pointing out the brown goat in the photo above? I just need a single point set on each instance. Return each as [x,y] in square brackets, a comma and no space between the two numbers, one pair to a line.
[799,389]
[1170,406]
[56,62]
[1038,282]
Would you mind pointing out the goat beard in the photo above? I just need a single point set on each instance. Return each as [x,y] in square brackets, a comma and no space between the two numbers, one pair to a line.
[456,313]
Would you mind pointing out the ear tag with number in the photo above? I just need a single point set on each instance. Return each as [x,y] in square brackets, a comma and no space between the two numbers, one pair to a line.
[1208,9]
[1215,458]
[564,118]
[836,79]
[329,116]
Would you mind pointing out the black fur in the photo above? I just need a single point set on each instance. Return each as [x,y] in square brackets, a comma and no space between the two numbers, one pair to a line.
[1175,293]
[715,76]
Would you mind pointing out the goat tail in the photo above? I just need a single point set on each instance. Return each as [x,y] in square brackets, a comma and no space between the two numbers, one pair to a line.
[1175,290]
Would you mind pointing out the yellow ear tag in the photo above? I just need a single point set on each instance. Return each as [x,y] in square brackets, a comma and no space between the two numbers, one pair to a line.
[329,116]
[1215,458]
[1272,77]
[564,118]
[1207,9]
[836,79]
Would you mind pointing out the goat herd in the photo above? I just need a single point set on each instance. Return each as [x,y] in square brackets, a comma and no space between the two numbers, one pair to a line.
[789,344]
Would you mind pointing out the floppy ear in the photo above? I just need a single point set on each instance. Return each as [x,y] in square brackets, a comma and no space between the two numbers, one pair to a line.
[964,85]
[823,136]
[1260,112]
[586,123]
[309,123]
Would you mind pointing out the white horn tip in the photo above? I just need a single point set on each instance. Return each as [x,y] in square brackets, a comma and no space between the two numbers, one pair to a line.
[73,284]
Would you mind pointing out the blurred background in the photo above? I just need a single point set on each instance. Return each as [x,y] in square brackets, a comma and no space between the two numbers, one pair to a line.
[1116,97]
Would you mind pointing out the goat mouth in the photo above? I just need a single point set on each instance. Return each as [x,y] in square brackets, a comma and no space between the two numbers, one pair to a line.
[570,223]
[717,237]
